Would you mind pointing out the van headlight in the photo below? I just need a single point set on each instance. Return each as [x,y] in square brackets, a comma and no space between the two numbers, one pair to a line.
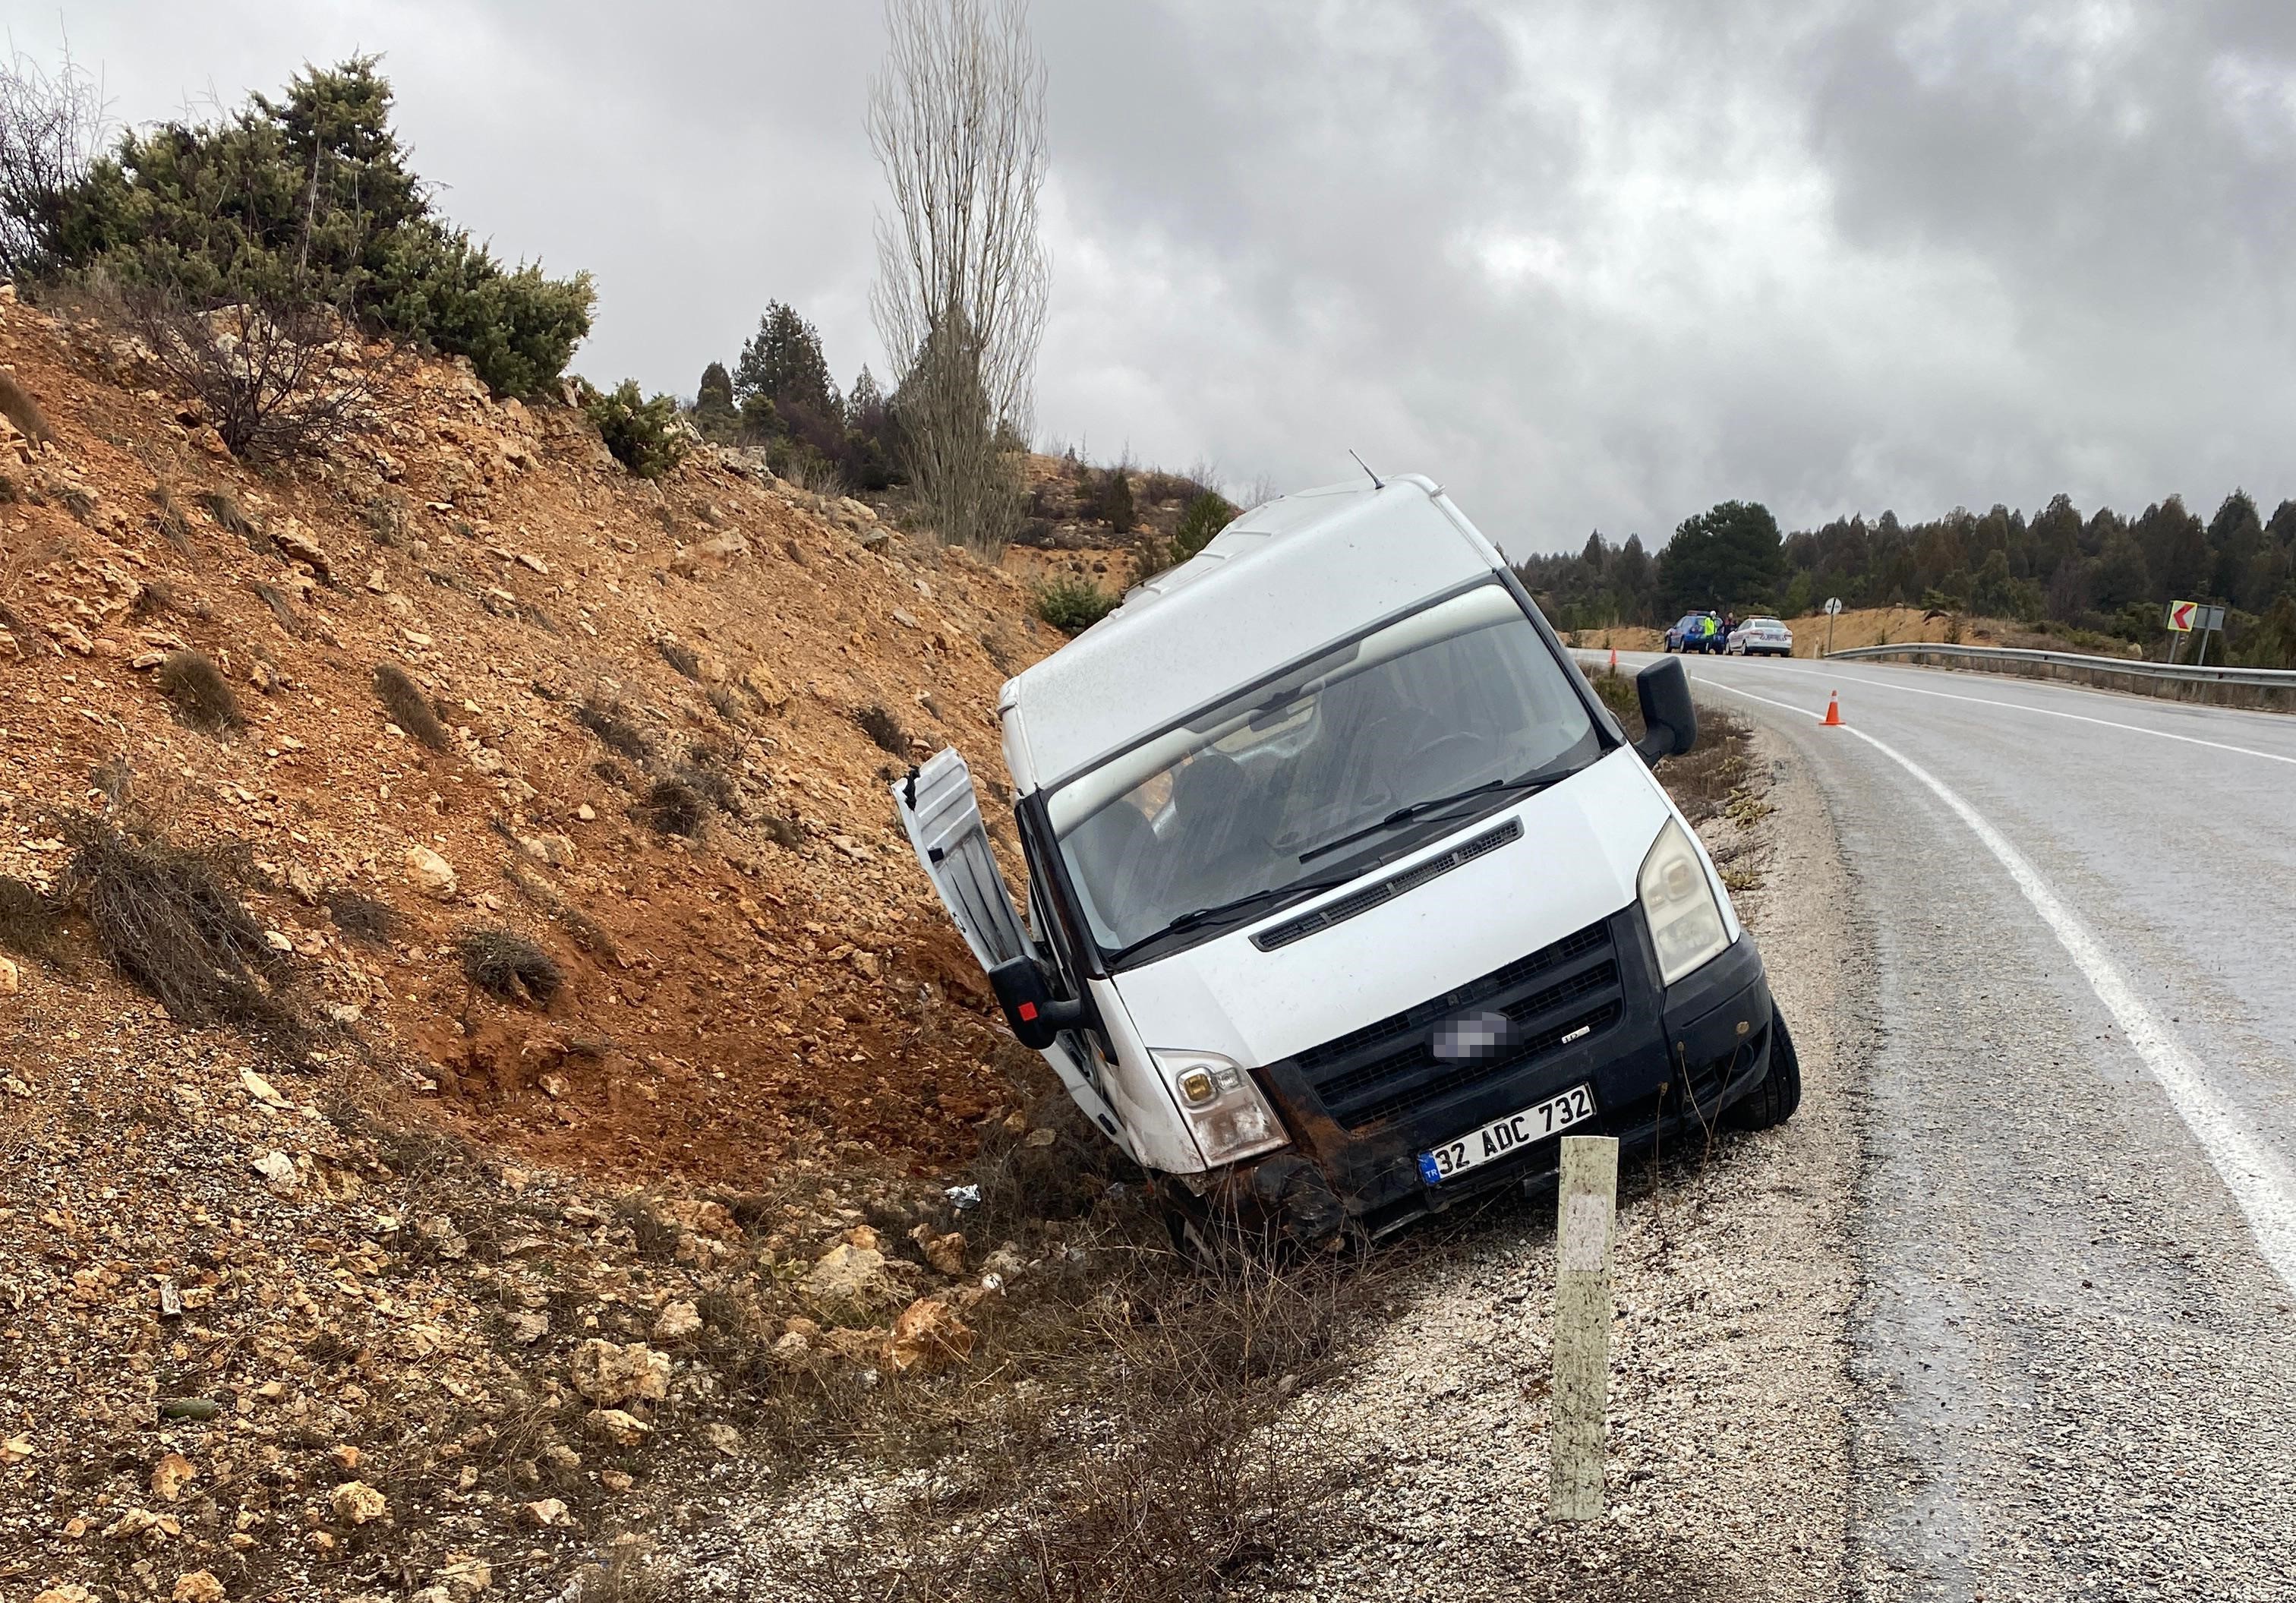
[1686,921]
[1223,1107]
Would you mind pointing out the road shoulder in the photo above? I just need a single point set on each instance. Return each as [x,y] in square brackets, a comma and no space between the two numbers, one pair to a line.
[1729,1473]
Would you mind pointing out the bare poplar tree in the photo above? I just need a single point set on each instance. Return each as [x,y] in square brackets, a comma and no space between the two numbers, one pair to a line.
[956,117]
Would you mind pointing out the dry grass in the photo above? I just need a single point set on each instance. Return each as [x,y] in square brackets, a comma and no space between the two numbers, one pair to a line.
[29,923]
[281,609]
[165,918]
[364,917]
[386,518]
[1145,1458]
[233,520]
[408,707]
[195,686]
[1121,1431]
[510,967]
[174,526]
[612,725]
[1706,779]
[19,408]
[588,932]
[672,806]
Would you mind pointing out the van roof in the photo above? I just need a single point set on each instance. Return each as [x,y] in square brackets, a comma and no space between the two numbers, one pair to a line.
[1286,578]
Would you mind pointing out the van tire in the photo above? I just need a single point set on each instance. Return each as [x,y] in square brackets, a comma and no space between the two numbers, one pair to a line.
[1773,1102]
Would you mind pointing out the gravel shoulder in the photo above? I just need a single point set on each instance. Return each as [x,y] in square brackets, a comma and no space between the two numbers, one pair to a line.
[1730,1400]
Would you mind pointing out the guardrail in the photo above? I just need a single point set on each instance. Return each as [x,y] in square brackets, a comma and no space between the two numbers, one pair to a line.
[2270,688]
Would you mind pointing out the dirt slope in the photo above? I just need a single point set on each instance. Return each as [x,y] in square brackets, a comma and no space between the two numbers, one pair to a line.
[757,985]
[457,1294]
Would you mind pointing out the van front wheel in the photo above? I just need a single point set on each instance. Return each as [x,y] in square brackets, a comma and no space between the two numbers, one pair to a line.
[1773,1102]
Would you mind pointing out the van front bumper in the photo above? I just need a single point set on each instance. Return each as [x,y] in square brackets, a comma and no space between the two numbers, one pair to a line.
[1587,1010]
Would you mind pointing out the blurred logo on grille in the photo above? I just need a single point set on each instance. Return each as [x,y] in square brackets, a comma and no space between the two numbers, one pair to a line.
[1472,1035]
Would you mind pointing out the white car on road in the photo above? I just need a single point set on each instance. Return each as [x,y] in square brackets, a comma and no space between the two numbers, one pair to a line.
[1760,637]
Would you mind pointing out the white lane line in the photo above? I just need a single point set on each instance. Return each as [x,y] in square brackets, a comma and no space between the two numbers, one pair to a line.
[2260,1180]
[2078,718]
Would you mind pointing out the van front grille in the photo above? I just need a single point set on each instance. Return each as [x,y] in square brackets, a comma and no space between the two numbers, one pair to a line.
[1559,994]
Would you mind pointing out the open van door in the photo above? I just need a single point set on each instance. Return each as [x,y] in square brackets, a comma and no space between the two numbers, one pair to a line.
[942,816]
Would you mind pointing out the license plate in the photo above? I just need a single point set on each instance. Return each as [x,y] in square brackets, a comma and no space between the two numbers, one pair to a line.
[1511,1134]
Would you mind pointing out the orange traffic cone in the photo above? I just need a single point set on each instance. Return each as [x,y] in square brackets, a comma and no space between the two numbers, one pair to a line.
[1832,710]
[1614,659]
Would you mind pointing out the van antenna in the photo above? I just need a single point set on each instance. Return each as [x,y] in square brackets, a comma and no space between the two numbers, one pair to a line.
[1360,463]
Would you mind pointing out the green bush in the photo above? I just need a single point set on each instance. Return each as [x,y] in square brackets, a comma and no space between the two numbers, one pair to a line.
[1114,503]
[1206,516]
[308,202]
[1072,605]
[643,434]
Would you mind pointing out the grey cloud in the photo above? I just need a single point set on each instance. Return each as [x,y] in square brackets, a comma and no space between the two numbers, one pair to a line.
[1591,262]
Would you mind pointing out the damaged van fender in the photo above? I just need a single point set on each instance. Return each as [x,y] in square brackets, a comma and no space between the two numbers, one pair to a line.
[1347,897]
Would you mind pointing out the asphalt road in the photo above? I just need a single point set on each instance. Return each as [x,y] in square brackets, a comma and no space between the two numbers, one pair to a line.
[2076,1216]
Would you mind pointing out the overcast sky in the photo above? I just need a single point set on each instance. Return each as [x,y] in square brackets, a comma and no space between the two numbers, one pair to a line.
[1588,263]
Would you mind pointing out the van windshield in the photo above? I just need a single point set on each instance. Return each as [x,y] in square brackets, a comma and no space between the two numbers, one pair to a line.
[1208,825]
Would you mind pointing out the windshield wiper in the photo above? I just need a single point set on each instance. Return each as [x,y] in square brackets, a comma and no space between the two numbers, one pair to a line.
[1194,917]
[1404,815]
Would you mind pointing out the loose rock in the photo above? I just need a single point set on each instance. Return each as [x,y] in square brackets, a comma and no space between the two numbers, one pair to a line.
[356,1503]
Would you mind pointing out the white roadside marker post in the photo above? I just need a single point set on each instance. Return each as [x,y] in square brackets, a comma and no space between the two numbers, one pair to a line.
[1584,1208]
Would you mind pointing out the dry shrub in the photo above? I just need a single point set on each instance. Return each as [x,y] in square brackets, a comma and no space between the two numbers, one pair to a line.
[386,518]
[157,596]
[614,730]
[231,519]
[589,933]
[165,918]
[277,378]
[363,917]
[174,526]
[1125,1429]
[19,408]
[704,772]
[281,609]
[1152,1458]
[674,807]
[408,707]
[882,726]
[509,967]
[200,694]
[29,921]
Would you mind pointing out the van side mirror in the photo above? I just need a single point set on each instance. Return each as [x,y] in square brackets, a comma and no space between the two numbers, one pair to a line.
[1036,1016]
[1669,719]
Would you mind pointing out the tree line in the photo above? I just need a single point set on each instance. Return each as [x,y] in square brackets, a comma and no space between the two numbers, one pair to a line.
[2098,573]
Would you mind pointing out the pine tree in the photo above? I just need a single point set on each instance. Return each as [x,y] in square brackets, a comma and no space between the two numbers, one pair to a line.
[714,414]
[781,381]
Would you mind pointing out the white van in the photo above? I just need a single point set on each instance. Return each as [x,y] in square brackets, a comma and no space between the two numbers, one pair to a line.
[1347,895]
